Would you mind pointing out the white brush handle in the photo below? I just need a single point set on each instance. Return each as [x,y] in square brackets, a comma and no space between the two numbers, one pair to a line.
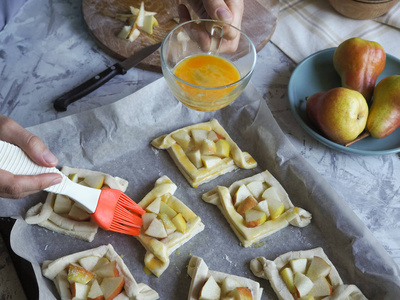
[15,161]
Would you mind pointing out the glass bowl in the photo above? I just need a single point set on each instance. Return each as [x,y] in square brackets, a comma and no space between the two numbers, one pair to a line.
[203,66]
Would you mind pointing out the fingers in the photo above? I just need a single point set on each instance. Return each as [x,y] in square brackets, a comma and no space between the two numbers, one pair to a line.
[218,10]
[12,132]
[19,186]
[183,13]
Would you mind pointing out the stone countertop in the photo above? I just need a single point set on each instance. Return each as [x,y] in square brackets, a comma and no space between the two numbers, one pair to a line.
[33,75]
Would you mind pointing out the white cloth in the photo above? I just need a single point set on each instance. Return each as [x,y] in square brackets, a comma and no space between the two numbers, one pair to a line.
[307,26]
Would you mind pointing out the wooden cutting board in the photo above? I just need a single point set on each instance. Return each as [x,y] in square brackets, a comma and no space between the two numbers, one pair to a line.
[259,22]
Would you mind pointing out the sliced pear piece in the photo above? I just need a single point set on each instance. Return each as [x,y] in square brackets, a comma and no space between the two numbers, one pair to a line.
[134,34]
[208,147]
[246,204]
[302,283]
[210,290]
[148,23]
[95,292]
[298,265]
[124,32]
[229,284]
[287,277]
[107,270]
[79,274]
[263,206]
[212,135]
[182,137]
[321,288]
[166,209]
[147,219]
[199,135]
[318,268]
[154,207]
[95,181]
[241,293]
[89,262]
[78,214]
[73,177]
[241,194]
[195,157]
[210,161]
[222,148]
[79,290]
[275,205]
[112,286]
[140,16]
[168,224]
[254,218]
[179,223]
[135,11]
[156,229]
[256,188]
[62,204]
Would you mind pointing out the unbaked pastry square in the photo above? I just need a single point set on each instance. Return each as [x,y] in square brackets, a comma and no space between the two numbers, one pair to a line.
[204,151]
[60,213]
[304,273]
[167,224]
[95,272]
[208,284]
[256,207]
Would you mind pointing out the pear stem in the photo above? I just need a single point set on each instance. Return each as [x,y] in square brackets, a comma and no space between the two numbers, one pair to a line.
[360,137]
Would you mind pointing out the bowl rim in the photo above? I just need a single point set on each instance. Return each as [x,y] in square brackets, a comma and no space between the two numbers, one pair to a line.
[244,78]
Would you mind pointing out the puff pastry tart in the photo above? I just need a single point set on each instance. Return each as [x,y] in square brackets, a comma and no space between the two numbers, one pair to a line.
[305,274]
[60,213]
[167,224]
[207,284]
[256,207]
[204,151]
[98,273]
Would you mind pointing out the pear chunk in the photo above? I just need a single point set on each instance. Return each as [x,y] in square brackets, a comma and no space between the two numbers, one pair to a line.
[254,218]
[302,283]
[318,268]
[210,290]
[156,229]
[288,279]
[179,223]
[154,207]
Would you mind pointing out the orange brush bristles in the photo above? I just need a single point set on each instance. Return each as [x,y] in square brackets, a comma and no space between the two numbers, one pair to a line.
[117,212]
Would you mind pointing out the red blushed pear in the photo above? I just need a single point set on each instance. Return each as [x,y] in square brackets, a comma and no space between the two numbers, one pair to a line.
[384,116]
[359,62]
[340,114]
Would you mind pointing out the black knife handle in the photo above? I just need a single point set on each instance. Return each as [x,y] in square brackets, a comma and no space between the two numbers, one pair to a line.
[61,103]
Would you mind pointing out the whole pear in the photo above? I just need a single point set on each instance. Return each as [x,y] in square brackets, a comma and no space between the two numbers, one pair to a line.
[384,116]
[340,113]
[359,62]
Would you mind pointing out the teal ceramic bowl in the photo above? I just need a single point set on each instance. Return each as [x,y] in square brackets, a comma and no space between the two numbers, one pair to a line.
[315,74]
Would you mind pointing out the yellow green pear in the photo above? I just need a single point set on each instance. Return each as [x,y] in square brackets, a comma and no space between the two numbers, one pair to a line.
[384,115]
[359,62]
[340,113]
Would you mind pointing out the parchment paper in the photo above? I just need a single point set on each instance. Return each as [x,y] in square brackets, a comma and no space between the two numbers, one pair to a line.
[115,139]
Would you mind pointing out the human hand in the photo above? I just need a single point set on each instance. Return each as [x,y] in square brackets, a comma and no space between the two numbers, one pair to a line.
[228,11]
[19,186]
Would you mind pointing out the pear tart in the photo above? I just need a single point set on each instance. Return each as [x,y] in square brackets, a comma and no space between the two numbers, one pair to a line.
[167,224]
[94,274]
[207,284]
[61,214]
[256,207]
[204,151]
[307,274]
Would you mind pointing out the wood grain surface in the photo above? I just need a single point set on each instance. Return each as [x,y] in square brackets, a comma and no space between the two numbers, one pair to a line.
[259,22]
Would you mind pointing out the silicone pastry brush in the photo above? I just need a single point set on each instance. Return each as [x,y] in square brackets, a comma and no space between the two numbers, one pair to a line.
[111,209]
